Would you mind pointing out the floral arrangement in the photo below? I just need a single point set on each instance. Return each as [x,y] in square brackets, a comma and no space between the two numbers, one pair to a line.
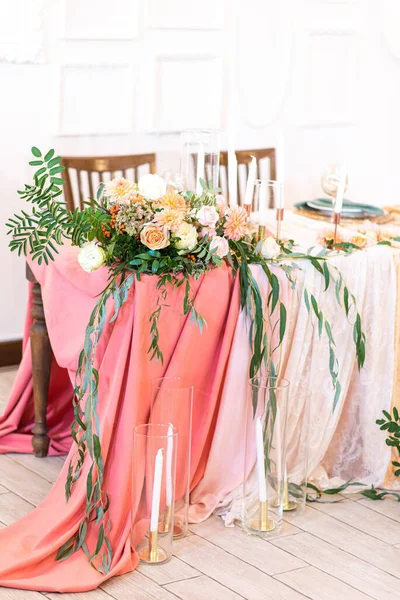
[368,234]
[143,228]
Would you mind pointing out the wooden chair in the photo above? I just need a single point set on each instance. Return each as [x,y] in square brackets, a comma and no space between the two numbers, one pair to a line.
[89,171]
[265,158]
[103,166]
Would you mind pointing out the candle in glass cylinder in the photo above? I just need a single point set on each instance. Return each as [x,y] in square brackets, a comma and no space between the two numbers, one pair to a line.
[169,466]
[251,179]
[155,504]
[200,168]
[232,177]
[262,483]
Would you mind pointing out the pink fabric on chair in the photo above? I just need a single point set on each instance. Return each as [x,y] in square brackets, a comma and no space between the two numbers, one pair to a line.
[28,547]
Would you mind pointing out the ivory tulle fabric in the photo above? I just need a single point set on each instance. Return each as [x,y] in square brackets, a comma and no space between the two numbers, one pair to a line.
[343,444]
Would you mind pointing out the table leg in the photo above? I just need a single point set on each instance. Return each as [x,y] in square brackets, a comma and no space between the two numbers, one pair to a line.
[41,366]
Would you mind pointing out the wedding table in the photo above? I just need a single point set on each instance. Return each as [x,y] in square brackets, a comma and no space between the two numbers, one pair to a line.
[343,443]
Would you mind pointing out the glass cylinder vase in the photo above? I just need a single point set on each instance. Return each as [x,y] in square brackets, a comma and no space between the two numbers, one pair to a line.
[265,456]
[154,474]
[173,403]
[297,444]
[200,158]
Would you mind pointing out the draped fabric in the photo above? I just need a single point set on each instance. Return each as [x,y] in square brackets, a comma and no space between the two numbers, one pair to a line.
[342,443]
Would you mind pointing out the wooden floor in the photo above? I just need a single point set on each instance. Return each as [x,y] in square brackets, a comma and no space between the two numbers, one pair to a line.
[345,551]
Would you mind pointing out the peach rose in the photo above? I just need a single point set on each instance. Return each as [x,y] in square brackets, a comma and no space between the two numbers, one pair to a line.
[154,237]
[359,240]
[207,216]
[220,245]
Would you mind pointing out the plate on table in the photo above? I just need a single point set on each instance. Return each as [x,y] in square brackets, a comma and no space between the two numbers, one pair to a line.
[351,210]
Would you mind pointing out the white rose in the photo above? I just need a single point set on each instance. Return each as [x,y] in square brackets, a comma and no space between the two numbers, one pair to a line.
[207,216]
[269,248]
[91,257]
[187,235]
[221,245]
[152,187]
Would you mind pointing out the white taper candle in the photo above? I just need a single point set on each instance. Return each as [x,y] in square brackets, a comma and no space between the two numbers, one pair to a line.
[262,483]
[200,168]
[155,504]
[170,447]
[248,198]
[232,177]
[281,171]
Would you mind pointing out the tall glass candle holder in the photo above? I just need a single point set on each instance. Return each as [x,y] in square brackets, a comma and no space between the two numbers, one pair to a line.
[200,158]
[173,403]
[267,194]
[154,472]
[296,462]
[265,455]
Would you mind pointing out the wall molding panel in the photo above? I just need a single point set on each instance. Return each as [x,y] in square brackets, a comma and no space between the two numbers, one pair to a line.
[96,100]
[185,15]
[22,31]
[101,19]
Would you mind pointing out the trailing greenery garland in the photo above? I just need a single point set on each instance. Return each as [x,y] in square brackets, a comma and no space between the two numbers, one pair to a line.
[50,222]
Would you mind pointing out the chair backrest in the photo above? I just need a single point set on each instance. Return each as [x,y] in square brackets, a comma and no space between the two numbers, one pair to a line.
[84,173]
[266,169]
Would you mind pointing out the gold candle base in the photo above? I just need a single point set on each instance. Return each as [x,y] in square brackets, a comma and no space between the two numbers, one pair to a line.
[263,523]
[153,553]
[288,505]
[261,233]
[165,525]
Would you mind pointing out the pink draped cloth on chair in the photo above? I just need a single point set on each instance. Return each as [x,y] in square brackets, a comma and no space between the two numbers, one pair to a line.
[28,547]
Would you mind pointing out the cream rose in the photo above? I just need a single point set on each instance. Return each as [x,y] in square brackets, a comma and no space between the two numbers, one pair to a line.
[154,237]
[207,216]
[91,257]
[152,187]
[269,248]
[221,245]
[187,235]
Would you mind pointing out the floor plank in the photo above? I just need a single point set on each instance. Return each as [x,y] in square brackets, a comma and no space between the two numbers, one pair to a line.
[49,467]
[92,595]
[11,594]
[135,586]
[202,588]
[363,518]
[174,570]
[23,482]
[317,585]
[344,566]
[388,507]
[238,576]
[356,542]
[13,507]
[250,549]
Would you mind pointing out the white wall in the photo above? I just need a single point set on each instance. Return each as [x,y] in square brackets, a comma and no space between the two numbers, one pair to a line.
[101,77]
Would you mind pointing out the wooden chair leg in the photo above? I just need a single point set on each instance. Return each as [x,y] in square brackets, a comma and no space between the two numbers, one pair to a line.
[41,366]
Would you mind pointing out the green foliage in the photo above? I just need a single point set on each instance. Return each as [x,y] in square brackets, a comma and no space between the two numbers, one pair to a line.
[391,424]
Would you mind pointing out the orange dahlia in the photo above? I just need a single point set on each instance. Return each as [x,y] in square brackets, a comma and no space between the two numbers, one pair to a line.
[236,223]
[170,218]
[172,201]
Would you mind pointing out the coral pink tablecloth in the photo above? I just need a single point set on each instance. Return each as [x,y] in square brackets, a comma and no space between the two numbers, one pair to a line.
[28,547]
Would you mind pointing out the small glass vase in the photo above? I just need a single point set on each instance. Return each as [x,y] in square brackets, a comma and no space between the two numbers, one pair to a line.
[200,158]
[154,473]
[263,493]
[173,403]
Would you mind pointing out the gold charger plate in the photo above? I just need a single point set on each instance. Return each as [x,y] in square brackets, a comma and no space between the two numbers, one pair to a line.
[380,220]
